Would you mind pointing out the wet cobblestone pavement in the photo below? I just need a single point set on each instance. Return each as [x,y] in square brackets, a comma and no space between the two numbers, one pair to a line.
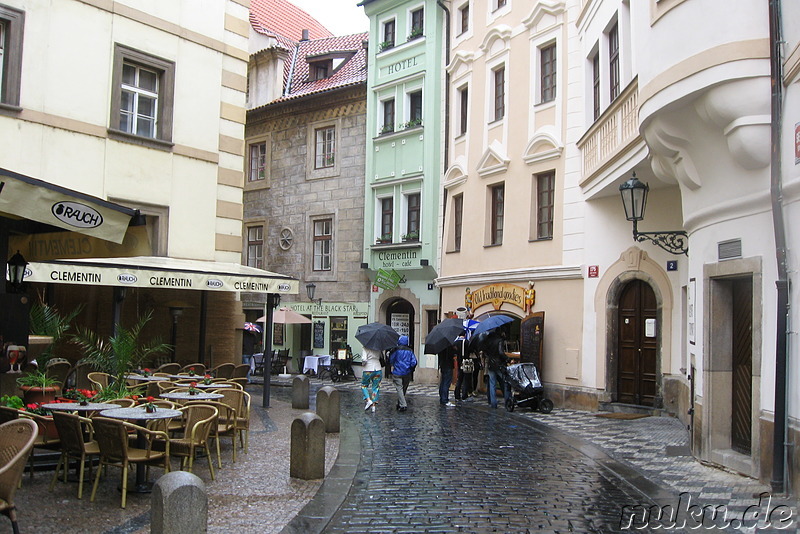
[437,469]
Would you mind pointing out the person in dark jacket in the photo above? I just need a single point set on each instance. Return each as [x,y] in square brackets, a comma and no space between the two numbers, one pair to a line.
[496,361]
[446,358]
[403,361]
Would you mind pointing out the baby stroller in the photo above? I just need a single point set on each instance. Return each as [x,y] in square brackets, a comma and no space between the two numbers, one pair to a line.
[526,388]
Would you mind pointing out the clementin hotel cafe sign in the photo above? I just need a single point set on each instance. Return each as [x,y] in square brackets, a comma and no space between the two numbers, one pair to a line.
[121,276]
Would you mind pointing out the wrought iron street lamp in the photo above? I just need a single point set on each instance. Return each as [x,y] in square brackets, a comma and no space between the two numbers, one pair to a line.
[311,289]
[634,200]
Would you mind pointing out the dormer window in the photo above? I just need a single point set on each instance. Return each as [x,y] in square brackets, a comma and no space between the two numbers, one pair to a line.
[320,70]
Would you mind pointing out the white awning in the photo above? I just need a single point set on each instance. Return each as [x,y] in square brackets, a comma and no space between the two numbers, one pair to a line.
[161,272]
[36,200]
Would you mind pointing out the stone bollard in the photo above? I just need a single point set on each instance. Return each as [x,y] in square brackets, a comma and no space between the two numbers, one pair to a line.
[179,504]
[307,456]
[328,408]
[300,392]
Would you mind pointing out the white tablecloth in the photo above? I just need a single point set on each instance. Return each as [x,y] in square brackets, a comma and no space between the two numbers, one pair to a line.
[312,363]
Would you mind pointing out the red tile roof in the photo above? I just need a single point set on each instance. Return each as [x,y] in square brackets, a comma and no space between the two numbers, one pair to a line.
[284,19]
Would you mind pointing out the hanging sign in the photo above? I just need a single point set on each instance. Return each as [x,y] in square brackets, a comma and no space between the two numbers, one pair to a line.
[387,279]
[496,294]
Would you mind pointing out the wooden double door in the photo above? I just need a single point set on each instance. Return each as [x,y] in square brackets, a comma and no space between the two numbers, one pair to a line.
[637,345]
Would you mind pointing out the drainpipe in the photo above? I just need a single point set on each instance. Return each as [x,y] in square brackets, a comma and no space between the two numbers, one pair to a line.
[779,444]
[290,78]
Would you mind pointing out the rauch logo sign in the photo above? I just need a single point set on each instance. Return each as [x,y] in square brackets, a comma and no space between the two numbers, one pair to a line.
[127,278]
[214,283]
[76,214]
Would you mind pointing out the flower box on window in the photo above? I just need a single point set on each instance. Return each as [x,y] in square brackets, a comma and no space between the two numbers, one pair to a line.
[416,33]
[413,123]
[385,45]
[411,236]
[386,238]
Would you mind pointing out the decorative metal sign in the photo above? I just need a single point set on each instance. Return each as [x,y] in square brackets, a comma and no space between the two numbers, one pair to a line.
[496,294]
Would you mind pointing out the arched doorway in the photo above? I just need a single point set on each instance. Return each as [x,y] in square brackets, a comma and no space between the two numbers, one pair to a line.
[637,344]
[400,316]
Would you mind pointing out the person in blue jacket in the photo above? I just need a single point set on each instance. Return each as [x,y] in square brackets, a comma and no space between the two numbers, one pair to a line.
[403,361]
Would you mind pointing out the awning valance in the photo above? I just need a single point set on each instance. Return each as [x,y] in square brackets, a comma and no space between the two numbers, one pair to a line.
[161,272]
[28,198]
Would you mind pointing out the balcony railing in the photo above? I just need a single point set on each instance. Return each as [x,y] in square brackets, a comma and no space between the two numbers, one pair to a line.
[614,130]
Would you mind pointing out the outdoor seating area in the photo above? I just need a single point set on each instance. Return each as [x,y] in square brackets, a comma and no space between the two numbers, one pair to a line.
[184,417]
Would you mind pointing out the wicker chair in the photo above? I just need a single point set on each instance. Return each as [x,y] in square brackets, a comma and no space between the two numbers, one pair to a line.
[8,414]
[46,439]
[241,381]
[58,369]
[169,368]
[112,436]
[16,443]
[78,376]
[199,420]
[100,380]
[199,368]
[239,401]
[71,432]
[223,370]
[225,427]
[230,383]
[122,403]
[241,370]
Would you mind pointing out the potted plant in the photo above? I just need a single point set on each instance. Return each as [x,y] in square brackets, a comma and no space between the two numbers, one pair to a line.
[416,33]
[387,128]
[207,379]
[119,354]
[411,236]
[36,387]
[413,123]
[47,328]
[385,45]
[193,388]
[12,401]
[148,405]
[385,238]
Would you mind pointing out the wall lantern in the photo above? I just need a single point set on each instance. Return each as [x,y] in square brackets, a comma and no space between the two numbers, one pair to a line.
[311,289]
[634,200]
[16,269]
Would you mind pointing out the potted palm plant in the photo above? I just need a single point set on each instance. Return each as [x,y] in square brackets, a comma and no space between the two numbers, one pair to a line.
[48,327]
[120,354]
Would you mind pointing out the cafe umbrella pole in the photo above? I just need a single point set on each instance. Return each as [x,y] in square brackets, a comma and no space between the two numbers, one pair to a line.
[272,300]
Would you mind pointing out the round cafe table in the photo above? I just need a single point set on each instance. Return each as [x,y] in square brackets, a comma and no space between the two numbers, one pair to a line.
[140,416]
[212,385]
[143,378]
[78,407]
[185,395]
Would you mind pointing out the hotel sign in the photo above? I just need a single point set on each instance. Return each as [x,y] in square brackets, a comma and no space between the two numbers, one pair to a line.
[496,295]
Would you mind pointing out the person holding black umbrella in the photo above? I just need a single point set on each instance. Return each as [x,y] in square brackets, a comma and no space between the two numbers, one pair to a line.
[496,361]
[446,358]
[371,377]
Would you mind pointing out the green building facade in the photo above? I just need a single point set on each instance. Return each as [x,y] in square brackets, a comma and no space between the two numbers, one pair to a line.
[403,166]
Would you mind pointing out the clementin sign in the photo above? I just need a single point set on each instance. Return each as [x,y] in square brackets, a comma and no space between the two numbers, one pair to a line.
[496,294]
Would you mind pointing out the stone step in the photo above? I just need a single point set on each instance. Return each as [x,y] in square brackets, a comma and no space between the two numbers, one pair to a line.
[619,407]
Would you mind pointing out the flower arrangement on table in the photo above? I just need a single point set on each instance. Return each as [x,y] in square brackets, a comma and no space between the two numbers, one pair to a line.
[193,388]
[191,372]
[83,396]
[146,372]
[148,405]
[207,379]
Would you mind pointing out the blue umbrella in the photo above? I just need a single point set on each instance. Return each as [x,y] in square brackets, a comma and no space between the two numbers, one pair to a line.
[490,323]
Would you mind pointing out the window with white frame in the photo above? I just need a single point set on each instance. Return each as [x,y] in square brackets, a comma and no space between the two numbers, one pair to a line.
[142,97]
[613,62]
[412,217]
[388,115]
[324,147]
[500,3]
[258,162]
[499,92]
[389,34]
[417,23]
[547,66]
[463,19]
[255,246]
[545,203]
[12,23]
[414,108]
[323,244]
[497,199]
[596,85]
[463,102]
[387,219]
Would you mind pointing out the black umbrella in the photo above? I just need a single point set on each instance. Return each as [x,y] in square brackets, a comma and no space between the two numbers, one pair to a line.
[377,336]
[443,335]
[490,323]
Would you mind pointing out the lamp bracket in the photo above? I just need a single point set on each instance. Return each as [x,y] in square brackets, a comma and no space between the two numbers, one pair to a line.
[673,242]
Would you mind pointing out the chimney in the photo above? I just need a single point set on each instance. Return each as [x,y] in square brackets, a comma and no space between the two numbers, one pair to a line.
[305,35]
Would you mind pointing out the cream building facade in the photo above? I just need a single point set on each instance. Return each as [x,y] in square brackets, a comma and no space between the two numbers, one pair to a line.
[141,104]
[513,213]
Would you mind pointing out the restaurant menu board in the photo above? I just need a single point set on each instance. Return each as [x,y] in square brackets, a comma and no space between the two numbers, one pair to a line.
[319,335]
[531,337]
